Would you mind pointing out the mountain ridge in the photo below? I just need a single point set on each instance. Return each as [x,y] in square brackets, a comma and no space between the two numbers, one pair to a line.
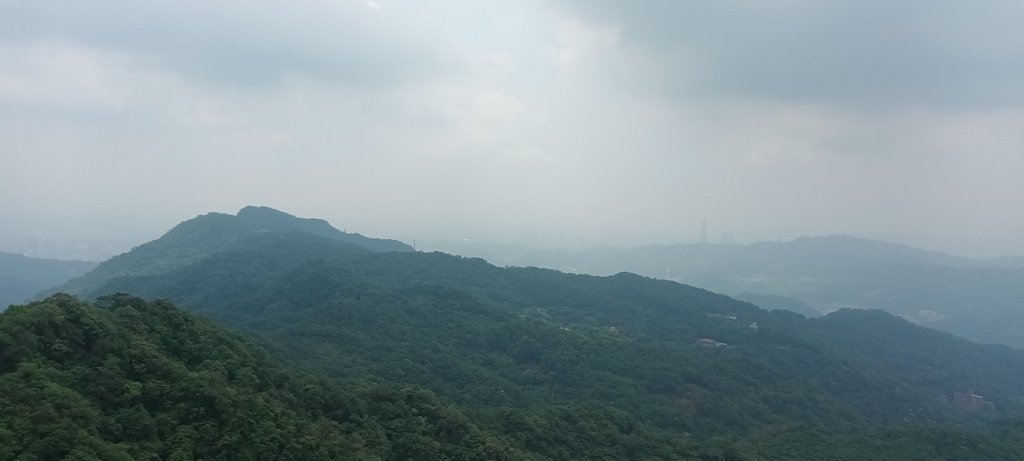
[624,366]
[190,240]
[978,299]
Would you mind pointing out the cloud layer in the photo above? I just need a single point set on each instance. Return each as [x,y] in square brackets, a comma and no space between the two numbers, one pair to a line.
[562,121]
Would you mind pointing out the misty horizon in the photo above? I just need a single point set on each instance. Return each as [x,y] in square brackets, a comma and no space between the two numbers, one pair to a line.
[77,247]
[548,123]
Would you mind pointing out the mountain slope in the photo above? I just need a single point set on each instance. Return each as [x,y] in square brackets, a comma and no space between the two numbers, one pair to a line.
[22,276]
[126,379]
[264,219]
[982,300]
[573,366]
[526,349]
[191,240]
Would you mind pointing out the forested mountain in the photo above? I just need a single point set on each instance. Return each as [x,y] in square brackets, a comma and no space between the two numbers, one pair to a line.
[129,380]
[623,367]
[22,276]
[196,238]
[982,300]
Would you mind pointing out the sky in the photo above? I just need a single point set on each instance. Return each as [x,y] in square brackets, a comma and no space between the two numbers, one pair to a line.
[542,122]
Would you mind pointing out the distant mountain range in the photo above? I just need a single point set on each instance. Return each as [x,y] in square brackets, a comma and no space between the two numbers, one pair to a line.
[982,300]
[558,366]
[22,276]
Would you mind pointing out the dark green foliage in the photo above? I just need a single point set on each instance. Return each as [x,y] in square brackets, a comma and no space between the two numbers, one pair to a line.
[585,367]
[126,379]
[919,443]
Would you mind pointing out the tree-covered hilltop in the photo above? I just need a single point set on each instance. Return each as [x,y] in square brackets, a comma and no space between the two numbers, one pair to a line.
[198,237]
[563,364]
[129,380]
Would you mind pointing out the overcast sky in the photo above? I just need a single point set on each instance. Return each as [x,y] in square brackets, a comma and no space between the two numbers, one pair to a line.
[549,122]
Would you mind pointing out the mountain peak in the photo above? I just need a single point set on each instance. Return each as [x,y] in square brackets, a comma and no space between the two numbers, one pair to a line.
[262,218]
[263,212]
[275,220]
[210,233]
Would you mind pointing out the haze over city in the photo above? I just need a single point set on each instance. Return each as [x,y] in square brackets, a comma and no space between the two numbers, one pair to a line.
[547,123]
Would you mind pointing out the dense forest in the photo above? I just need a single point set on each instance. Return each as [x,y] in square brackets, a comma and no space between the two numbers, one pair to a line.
[565,366]
[129,380]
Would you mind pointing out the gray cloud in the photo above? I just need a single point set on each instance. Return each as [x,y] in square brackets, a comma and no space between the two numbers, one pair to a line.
[876,53]
[239,43]
[529,121]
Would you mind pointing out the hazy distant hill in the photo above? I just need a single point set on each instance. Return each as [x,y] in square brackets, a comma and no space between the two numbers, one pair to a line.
[620,367]
[776,302]
[979,299]
[191,240]
[22,276]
